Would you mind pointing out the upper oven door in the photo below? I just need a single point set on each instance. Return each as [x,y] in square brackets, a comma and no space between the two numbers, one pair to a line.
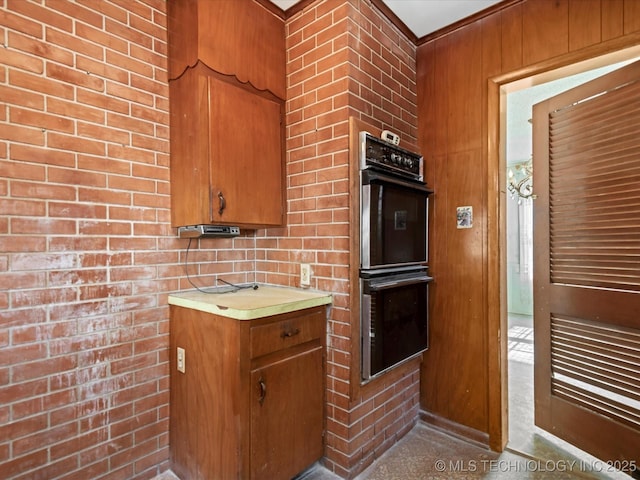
[393,221]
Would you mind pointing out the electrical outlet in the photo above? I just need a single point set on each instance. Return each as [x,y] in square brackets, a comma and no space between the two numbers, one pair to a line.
[181,359]
[305,274]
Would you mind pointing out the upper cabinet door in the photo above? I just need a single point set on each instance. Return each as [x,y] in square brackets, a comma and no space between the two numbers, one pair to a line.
[233,37]
[246,153]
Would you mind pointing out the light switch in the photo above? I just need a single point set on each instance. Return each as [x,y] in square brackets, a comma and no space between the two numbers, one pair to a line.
[181,359]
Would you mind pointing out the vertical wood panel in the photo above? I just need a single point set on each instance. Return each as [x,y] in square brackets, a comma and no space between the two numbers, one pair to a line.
[426,93]
[441,102]
[511,21]
[545,29]
[584,23]
[491,46]
[631,16]
[612,19]
[467,403]
[435,381]
[465,69]
[440,330]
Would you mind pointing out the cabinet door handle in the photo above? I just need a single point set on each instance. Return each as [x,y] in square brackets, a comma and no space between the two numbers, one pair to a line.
[223,203]
[263,390]
[289,333]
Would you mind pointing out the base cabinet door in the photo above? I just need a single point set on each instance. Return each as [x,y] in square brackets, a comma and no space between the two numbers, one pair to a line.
[286,416]
[250,401]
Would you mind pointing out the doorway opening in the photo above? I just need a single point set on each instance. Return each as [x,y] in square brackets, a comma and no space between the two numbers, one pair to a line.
[524,437]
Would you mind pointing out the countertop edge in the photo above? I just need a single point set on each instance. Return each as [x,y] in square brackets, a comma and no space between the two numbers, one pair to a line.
[253,313]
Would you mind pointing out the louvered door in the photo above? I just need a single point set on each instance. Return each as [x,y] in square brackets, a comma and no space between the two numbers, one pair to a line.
[587,268]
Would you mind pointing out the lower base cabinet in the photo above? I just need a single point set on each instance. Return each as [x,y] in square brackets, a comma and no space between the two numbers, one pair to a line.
[250,402]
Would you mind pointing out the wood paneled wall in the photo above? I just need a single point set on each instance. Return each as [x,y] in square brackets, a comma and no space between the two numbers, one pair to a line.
[459,74]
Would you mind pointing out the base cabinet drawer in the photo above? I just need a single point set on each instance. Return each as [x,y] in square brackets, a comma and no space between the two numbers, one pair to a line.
[250,403]
[285,333]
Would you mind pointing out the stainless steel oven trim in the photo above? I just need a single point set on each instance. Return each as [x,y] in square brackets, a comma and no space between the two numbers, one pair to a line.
[400,282]
[426,238]
[365,318]
[365,226]
[363,149]
[366,176]
[395,365]
[366,335]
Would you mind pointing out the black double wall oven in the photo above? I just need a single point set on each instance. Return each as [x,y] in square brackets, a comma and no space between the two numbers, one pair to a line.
[394,278]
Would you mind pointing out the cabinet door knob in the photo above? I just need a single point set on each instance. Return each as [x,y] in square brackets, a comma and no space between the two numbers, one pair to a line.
[289,333]
[263,390]
[223,203]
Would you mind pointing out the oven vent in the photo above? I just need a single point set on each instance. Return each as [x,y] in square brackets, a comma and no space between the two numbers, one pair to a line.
[208,231]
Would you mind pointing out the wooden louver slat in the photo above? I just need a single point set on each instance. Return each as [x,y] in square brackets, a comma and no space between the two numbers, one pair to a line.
[594,179]
[589,358]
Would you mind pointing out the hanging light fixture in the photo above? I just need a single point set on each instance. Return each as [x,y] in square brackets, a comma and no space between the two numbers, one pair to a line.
[520,181]
[520,178]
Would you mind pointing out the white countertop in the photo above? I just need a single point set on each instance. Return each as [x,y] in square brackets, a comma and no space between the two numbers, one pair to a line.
[249,304]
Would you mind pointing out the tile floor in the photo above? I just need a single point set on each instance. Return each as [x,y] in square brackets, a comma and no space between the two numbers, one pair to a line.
[425,453]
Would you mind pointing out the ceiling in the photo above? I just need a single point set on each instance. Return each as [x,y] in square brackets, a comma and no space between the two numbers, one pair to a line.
[423,17]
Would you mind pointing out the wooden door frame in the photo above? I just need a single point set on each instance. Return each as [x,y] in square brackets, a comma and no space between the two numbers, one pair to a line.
[498,87]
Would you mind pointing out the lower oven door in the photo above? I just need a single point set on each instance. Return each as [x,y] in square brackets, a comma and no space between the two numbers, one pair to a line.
[394,320]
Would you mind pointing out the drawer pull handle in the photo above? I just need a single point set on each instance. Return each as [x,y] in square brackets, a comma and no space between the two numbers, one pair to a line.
[290,333]
[263,390]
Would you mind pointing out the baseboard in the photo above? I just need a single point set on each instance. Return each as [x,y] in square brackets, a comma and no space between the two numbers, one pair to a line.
[454,429]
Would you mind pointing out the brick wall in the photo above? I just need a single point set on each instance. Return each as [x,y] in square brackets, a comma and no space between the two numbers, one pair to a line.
[343,59]
[86,253]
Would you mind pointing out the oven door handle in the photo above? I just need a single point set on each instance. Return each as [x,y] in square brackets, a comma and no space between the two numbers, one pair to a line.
[377,287]
[370,176]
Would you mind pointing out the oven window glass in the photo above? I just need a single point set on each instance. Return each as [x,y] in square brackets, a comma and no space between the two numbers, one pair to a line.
[398,228]
[399,324]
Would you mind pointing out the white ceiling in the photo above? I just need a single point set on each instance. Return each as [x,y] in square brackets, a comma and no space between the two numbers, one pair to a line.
[423,17]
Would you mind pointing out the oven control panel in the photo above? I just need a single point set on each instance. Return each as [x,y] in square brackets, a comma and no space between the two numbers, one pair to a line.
[376,153]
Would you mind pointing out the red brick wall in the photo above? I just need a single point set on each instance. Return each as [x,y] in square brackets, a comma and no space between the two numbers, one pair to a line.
[86,252]
[87,255]
[343,59]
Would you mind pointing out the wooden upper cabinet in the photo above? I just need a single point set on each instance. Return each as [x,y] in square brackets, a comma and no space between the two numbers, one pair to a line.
[233,37]
[247,144]
[227,152]
[226,94]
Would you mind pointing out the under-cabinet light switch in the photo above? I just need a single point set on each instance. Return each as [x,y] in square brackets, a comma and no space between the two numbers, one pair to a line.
[181,359]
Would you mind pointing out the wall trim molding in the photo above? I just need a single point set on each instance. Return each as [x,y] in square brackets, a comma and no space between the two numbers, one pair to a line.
[454,429]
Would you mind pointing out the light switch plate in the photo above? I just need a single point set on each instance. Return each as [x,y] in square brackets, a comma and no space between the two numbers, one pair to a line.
[180,359]
[305,274]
